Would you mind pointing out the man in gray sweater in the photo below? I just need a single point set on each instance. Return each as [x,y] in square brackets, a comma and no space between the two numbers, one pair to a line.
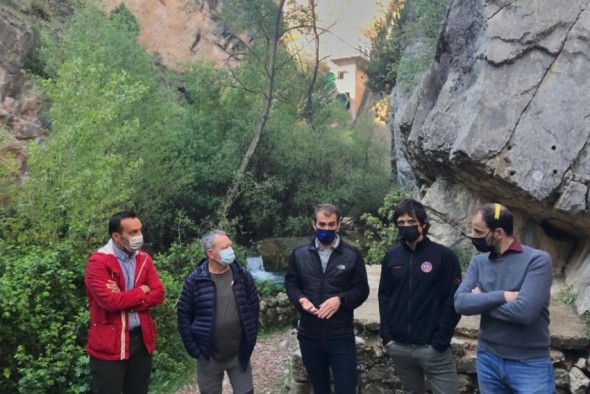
[509,285]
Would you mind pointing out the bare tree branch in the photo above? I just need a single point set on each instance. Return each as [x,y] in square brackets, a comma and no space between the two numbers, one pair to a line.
[234,191]
[308,111]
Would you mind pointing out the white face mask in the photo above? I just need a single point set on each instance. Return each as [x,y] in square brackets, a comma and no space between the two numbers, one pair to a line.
[227,256]
[135,243]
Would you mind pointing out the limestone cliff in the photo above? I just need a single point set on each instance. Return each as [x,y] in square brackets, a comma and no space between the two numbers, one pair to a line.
[503,115]
[181,31]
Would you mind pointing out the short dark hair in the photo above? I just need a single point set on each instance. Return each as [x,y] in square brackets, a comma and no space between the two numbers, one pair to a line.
[413,208]
[115,220]
[326,209]
[503,220]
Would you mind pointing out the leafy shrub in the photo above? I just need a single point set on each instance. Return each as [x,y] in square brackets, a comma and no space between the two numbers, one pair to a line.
[381,233]
[268,288]
[44,321]
[170,357]
[404,22]
[464,253]
[567,295]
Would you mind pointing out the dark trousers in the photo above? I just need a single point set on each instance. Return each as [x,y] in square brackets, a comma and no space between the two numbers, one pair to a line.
[339,355]
[126,376]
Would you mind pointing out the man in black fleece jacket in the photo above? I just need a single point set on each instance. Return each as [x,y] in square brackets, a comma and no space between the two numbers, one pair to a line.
[419,278]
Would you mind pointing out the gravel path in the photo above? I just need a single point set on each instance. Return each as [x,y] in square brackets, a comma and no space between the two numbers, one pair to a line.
[269,363]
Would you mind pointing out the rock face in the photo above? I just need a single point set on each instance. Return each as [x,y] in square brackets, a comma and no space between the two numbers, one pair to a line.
[19,104]
[503,116]
[181,31]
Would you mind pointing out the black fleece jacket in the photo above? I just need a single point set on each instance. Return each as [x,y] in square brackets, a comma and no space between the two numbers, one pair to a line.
[416,293]
[345,277]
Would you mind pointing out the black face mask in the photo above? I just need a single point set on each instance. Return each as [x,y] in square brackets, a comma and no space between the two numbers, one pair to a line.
[409,233]
[481,244]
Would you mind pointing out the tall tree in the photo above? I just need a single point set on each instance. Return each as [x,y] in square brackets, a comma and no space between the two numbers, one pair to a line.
[271,70]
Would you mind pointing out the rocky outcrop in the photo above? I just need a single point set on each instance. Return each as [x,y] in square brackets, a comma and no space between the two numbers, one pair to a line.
[277,311]
[19,103]
[180,32]
[503,115]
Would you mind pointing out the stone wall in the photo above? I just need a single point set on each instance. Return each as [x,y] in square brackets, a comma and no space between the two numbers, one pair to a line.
[376,374]
[276,311]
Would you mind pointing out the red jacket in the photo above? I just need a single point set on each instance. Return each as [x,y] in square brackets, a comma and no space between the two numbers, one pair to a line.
[108,335]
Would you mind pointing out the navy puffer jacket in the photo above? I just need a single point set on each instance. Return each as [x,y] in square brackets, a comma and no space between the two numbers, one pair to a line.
[196,311]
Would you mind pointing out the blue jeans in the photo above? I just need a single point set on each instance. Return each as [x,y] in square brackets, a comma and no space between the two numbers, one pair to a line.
[319,355]
[497,375]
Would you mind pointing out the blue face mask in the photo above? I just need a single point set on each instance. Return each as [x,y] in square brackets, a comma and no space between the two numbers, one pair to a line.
[227,256]
[325,236]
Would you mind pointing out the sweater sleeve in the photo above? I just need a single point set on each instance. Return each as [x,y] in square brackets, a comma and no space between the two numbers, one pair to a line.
[468,303]
[533,295]
[449,318]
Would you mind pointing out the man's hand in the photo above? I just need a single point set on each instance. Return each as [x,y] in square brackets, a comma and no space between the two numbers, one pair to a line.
[510,295]
[329,307]
[308,306]
[476,290]
[111,285]
[145,289]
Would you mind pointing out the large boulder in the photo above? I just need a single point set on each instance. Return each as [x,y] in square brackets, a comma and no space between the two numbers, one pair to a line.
[503,115]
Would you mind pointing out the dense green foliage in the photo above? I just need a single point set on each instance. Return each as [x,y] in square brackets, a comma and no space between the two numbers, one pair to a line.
[126,133]
[404,22]
[268,288]
[381,232]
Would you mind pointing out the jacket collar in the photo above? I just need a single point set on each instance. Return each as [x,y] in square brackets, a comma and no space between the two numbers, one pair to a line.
[313,245]
[109,248]
[419,246]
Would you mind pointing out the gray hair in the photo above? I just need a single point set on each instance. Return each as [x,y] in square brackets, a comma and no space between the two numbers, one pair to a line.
[208,241]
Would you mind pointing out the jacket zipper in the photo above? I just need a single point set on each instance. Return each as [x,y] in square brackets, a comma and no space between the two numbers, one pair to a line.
[410,298]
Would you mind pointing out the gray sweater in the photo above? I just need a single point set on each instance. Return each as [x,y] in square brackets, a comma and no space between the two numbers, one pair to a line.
[517,329]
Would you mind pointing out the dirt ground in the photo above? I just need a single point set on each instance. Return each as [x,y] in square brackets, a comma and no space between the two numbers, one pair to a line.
[269,364]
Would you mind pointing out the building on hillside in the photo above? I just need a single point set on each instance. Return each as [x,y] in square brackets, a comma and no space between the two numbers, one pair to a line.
[350,80]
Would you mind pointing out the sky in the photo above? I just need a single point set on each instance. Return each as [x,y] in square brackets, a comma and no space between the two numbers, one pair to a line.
[348,17]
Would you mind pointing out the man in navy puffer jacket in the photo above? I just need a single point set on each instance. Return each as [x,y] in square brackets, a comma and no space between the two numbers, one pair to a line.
[218,317]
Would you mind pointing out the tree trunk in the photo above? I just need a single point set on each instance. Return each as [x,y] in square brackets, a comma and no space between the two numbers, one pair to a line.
[234,191]
[308,112]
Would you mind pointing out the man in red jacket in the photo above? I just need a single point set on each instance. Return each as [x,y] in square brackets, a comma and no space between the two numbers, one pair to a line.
[122,285]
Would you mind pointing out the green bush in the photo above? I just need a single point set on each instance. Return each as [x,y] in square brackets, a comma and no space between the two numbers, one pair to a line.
[404,22]
[44,321]
[268,288]
[464,253]
[381,232]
